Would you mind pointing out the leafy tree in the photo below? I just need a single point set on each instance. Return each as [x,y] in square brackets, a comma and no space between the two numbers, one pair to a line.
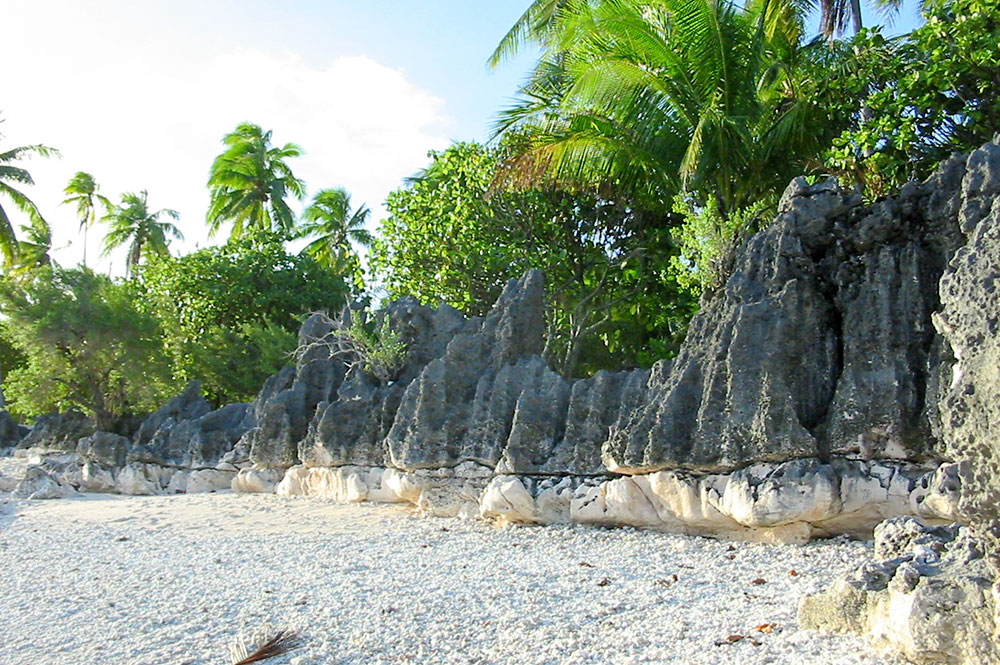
[335,228]
[84,346]
[231,313]
[82,191]
[664,96]
[924,96]
[250,181]
[450,237]
[11,173]
[132,222]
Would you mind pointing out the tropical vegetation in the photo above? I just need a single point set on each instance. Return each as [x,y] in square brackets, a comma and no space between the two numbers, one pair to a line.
[650,138]
[250,182]
[132,222]
[12,176]
[82,191]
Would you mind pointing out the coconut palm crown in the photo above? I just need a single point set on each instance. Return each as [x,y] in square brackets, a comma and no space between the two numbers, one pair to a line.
[11,175]
[250,182]
[82,191]
[334,227]
[132,223]
[662,96]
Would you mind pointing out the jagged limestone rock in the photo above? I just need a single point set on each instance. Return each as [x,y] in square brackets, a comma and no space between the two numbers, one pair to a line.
[58,432]
[189,405]
[970,322]
[39,483]
[104,448]
[820,343]
[288,401]
[926,595]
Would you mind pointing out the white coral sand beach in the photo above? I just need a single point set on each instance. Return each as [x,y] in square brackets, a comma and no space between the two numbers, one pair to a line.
[173,579]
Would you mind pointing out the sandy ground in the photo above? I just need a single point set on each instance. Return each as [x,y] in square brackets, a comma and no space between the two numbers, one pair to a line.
[173,579]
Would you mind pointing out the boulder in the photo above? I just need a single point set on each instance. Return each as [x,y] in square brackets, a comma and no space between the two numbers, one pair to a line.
[104,448]
[256,480]
[58,432]
[926,595]
[187,433]
[39,483]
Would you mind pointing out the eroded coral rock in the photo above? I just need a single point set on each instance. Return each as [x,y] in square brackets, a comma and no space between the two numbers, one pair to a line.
[39,483]
[927,595]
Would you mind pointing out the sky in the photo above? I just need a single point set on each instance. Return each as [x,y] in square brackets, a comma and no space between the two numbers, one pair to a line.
[139,93]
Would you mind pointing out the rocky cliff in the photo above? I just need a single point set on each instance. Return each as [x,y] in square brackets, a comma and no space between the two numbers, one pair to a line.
[806,400]
[813,396]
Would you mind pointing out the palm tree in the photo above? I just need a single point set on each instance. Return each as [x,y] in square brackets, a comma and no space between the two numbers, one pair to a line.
[542,18]
[9,173]
[330,220]
[250,181]
[132,222]
[82,189]
[33,251]
[662,96]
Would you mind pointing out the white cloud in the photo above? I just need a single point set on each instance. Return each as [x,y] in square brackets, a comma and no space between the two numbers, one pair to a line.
[151,114]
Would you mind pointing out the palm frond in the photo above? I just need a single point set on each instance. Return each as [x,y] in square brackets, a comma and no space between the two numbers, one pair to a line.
[279,644]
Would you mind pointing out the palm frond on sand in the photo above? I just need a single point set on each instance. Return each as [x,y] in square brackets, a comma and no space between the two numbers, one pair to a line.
[278,644]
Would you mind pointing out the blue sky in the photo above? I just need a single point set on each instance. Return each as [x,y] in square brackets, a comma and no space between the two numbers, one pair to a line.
[139,93]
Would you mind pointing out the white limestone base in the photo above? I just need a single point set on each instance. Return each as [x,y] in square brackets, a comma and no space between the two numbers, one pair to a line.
[73,473]
[789,502]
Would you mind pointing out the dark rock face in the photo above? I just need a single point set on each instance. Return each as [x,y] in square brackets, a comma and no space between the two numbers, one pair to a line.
[820,346]
[821,343]
[58,432]
[104,448]
[10,432]
[288,401]
[186,433]
[970,323]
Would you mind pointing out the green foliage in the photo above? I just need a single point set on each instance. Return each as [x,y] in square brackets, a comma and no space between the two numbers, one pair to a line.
[10,356]
[649,99]
[233,363]
[917,99]
[132,222]
[11,175]
[453,237]
[371,345]
[382,349]
[84,345]
[334,228]
[708,242]
[82,191]
[250,181]
[238,303]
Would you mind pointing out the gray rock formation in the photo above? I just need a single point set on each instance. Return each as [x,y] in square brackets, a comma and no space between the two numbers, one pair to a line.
[969,321]
[10,432]
[41,483]
[821,343]
[926,595]
[288,401]
[104,448]
[820,348]
[58,432]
